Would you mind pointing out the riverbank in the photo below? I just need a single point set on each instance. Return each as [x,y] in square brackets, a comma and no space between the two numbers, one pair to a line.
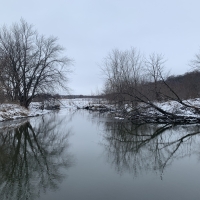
[153,112]
[14,111]
[10,111]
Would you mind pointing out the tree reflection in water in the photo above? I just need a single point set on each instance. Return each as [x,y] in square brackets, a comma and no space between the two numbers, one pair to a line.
[141,148]
[31,159]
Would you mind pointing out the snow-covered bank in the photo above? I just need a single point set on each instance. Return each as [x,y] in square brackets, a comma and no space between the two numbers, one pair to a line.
[81,103]
[14,111]
[159,112]
[168,106]
[176,108]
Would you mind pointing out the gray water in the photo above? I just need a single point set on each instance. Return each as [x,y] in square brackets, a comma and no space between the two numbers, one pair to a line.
[80,155]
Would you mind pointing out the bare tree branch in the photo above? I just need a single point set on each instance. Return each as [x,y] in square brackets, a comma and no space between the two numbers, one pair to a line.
[30,63]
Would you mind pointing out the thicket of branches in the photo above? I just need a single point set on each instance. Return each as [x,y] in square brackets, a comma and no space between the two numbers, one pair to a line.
[30,64]
[137,82]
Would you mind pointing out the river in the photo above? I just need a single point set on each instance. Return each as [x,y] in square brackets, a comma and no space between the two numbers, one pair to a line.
[75,154]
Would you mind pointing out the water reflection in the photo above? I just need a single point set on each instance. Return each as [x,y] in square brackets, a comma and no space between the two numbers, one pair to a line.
[31,158]
[142,148]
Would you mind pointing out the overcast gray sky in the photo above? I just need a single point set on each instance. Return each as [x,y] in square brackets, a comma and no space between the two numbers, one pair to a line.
[90,29]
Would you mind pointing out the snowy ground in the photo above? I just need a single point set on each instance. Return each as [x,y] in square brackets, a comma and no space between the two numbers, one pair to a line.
[80,103]
[178,109]
[169,106]
[14,111]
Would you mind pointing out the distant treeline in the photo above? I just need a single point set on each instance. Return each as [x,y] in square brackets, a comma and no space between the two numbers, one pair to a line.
[186,86]
[79,96]
[41,97]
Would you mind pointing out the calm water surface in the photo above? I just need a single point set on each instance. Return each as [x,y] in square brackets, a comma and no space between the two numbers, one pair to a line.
[80,155]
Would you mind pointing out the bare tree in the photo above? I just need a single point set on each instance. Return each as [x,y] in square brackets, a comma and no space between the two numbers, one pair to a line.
[129,87]
[123,71]
[30,63]
[195,63]
[154,66]
[2,95]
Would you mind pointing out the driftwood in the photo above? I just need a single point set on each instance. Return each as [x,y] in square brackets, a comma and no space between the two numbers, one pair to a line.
[165,119]
[142,116]
[100,108]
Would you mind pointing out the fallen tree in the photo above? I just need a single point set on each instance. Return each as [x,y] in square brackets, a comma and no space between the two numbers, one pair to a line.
[136,86]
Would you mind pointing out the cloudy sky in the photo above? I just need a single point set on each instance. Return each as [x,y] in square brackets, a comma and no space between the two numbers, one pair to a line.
[90,29]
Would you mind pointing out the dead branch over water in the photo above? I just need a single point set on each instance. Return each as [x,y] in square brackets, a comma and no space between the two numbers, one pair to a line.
[136,85]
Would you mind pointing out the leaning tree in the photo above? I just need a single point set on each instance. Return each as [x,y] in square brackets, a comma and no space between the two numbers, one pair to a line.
[30,64]
[135,84]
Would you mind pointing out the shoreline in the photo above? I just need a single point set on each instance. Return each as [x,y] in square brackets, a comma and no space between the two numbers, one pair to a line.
[9,112]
